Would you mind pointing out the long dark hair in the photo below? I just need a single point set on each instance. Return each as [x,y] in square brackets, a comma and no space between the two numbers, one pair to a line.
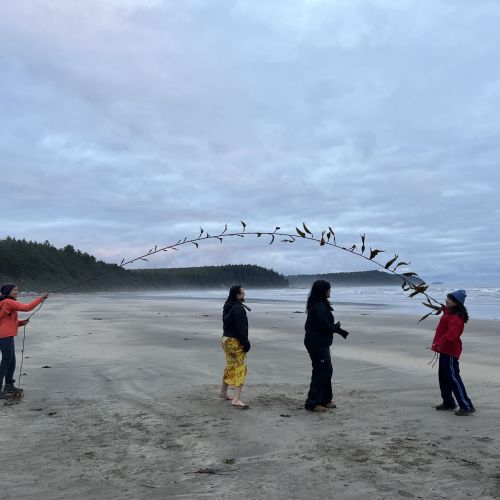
[318,294]
[459,309]
[233,292]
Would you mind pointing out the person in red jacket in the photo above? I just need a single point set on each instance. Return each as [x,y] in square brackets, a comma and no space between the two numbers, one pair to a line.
[449,346]
[9,324]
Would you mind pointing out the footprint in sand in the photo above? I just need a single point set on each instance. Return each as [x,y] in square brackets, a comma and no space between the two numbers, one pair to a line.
[406,494]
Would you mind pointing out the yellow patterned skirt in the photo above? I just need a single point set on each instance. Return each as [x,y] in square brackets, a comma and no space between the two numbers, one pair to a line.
[236,366]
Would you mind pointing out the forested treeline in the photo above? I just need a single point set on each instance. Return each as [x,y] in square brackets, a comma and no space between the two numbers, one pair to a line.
[356,278]
[41,267]
[194,277]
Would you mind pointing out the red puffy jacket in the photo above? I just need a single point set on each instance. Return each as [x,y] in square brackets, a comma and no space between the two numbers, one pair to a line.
[447,337]
[8,315]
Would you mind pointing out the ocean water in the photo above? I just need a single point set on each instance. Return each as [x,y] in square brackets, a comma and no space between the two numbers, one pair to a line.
[481,302]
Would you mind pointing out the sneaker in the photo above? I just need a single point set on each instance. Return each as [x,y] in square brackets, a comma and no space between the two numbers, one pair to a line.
[464,413]
[4,395]
[318,408]
[10,388]
[444,407]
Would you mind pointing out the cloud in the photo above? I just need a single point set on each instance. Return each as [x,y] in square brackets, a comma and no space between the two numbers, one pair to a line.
[132,123]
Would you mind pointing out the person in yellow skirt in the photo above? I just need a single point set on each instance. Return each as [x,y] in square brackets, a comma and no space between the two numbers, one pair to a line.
[235,345]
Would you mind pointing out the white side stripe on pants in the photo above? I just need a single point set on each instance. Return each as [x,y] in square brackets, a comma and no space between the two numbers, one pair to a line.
[467,406]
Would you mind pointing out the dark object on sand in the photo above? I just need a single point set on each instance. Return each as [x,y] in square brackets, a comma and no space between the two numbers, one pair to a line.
[13,397]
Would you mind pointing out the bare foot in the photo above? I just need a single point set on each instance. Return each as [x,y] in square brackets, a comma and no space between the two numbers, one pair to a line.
[225,396]
[239,404]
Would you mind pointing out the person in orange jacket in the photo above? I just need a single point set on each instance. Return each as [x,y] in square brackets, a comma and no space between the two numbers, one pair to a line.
[449,346]
[9,324]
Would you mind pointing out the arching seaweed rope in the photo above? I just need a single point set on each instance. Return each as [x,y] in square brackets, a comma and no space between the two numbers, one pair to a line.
[327,237]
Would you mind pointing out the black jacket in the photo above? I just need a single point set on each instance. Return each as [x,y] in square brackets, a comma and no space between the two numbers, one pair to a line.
[235,323]
[320,326]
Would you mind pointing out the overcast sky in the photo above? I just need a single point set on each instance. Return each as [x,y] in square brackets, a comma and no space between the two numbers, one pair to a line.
[129,123]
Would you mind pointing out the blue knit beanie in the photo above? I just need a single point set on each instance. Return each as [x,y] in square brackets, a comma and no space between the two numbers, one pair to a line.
[459,296]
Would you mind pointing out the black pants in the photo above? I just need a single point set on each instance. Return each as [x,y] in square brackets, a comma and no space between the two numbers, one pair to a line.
[320,391]
[8,364]
[451,383]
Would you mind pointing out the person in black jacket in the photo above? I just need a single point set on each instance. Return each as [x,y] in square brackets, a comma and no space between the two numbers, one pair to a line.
[320,327]
[235,345]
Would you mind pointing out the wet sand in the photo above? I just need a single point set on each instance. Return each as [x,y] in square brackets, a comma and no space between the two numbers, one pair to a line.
[128,408]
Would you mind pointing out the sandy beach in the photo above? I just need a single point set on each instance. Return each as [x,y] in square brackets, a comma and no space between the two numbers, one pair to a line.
[121,403]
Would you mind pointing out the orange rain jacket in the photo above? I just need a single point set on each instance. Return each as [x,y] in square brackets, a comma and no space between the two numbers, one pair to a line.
[8,315]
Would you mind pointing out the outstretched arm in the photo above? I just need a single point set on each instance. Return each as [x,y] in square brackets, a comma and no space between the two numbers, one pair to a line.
[14,305]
